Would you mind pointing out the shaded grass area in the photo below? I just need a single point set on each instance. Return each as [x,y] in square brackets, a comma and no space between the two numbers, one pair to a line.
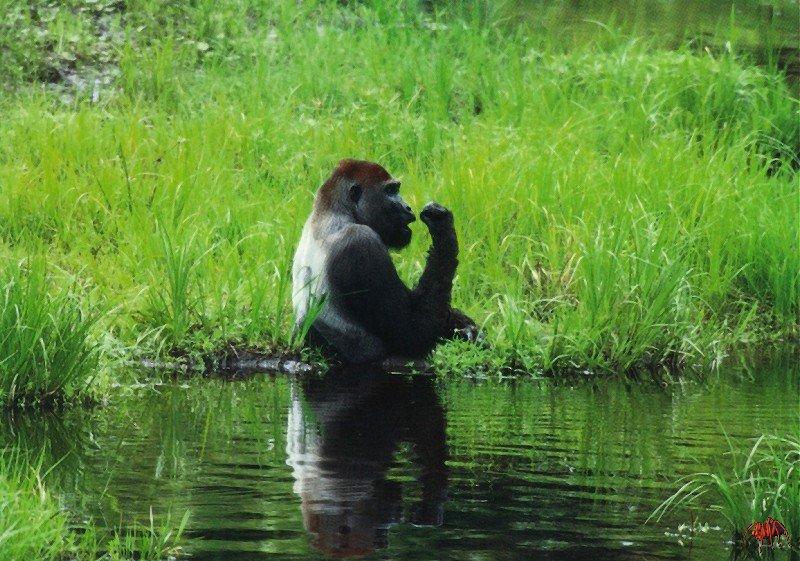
[33,525]
[621,208]
[763,482]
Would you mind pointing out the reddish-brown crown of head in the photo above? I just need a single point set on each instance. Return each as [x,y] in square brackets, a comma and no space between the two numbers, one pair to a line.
[368,174]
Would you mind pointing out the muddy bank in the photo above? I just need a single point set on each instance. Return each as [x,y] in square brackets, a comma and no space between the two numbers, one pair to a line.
[233,364]
[237,363]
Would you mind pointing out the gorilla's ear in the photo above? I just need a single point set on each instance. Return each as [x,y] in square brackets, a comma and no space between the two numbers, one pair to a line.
[354,192]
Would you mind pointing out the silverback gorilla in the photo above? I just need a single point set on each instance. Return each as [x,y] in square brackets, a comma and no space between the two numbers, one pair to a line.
[343,273]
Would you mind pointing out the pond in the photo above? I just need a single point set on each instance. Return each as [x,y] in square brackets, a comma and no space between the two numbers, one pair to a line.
[401,467]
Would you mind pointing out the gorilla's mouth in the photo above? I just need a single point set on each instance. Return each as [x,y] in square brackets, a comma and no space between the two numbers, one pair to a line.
[400,238]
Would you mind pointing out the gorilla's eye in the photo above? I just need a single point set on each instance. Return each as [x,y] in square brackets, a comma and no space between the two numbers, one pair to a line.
[354,193]
[391,188]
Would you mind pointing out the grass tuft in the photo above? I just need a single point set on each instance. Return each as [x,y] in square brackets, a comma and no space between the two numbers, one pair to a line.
[763,482]
[31,523]
[47,354]
[34,526]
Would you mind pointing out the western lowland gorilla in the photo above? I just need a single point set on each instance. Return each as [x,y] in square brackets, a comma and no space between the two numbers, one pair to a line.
[344,430]
[345,284]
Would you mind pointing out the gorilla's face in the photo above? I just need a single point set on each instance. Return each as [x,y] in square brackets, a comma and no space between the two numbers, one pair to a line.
[383,209]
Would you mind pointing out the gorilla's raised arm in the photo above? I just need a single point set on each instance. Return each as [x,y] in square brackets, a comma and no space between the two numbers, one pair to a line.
[364,284]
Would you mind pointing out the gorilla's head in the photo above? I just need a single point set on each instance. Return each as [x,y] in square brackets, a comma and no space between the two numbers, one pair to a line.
[383,209]
[374,199]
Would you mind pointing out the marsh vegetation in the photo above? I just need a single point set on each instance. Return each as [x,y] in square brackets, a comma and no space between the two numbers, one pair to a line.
[622,206]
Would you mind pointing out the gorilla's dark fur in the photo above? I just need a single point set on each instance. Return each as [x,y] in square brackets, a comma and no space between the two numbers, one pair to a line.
[342,262]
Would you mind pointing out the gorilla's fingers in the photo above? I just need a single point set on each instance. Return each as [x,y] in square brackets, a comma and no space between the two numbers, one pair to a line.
[435,216]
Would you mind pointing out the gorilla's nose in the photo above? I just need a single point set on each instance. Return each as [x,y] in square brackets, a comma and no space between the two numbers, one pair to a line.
[410,214]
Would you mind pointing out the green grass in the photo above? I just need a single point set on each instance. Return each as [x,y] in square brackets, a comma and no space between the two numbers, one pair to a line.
[763,482]
[34,526]
[31,525]
[46,352]
[152,541]
[622,207]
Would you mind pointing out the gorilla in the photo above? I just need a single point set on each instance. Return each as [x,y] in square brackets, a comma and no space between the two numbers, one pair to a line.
[346,286]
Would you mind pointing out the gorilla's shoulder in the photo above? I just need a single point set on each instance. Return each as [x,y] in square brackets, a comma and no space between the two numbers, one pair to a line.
[357,248]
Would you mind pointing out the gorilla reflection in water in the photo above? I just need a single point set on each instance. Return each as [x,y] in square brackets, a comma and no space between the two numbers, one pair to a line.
[343,431]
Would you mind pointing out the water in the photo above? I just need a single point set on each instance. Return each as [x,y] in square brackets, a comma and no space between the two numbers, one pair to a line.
[410,468]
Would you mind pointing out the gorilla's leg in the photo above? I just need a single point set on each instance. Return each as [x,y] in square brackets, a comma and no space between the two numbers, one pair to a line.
[343,340]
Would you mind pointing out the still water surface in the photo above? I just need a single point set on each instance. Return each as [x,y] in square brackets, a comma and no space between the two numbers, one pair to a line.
[411,468]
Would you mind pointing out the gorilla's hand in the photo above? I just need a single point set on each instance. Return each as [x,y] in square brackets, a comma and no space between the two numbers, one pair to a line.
[464,328]
[437,218]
